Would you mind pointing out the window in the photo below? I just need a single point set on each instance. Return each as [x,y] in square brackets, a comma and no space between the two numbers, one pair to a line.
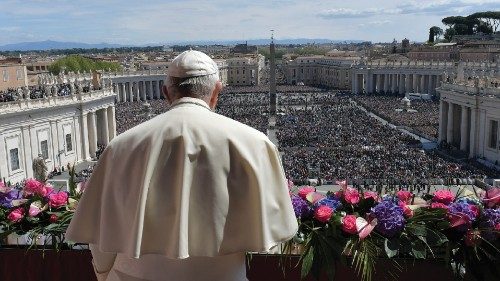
[14,159]
[44,149]
[493,134]
[19,74]
[5,75]
[69,144]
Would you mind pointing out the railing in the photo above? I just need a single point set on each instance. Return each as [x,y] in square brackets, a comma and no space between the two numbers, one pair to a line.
[51,101]
[466,88]
[135,73]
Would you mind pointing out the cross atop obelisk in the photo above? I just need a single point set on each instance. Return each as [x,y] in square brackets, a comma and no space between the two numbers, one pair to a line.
[272,76]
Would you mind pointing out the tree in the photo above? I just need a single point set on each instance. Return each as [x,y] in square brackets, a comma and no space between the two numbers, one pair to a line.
[449,33]
[77,63]
[491,18]
[436,32]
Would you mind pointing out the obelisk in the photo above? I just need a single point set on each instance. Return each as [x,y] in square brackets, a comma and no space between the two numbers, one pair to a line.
[272,78]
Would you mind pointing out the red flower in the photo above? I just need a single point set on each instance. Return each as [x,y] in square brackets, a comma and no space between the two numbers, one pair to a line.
[404,196]
[305,190]
[436,205]
[16,215]
[323,213]
[443,196]
[351,196]
[53,218]
[59,199]
[349,224]
[370,194]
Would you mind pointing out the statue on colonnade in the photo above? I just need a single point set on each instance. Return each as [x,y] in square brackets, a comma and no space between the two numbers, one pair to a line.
[40,168]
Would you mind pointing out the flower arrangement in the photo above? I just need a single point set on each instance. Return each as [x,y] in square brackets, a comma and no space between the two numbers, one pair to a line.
[35,209]
[359,227]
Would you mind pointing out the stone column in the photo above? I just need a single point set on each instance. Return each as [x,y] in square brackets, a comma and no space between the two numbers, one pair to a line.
[129,94]
[136,91]
[104,126]
[92,134]
[422,84]
[449,126]
[394,83]
[110,112]
[386,82]
[158,89]
[116,90]
[85,137]
[472,136]
[401,84]
[150,90]
[409,83]
[430,89]
[143,94]
[415,83]
[464,130]
[27,152]
[123,93]
[354,83]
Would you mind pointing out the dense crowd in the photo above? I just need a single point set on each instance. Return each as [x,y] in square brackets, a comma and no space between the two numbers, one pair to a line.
[326,135]
[40,92]
[341,141]
[423,116]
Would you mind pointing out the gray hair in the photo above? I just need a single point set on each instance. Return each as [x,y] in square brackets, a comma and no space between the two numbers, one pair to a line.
[196,87]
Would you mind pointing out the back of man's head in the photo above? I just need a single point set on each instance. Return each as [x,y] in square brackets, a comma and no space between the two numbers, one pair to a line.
[192,74]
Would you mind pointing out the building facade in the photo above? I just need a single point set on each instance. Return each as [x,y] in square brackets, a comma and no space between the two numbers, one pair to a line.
[244,71]
[13,76]
[469,118]
[333,72]
[62,129]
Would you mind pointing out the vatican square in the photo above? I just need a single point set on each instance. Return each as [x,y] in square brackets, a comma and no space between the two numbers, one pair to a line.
[263,140]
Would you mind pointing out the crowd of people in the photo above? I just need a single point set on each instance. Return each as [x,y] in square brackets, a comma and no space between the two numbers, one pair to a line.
[341,141]
[40,92]
[326,135]
[422,116]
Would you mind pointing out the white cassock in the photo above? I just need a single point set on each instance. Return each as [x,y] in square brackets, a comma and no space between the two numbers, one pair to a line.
[188,189]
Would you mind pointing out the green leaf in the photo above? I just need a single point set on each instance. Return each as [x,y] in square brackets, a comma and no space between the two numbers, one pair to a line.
[307,262]
[391,247]
[418,249]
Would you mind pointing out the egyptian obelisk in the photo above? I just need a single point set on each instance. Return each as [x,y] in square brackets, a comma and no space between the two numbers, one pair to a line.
[272,78]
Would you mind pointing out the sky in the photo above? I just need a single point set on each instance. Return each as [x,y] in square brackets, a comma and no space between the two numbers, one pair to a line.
[137,22]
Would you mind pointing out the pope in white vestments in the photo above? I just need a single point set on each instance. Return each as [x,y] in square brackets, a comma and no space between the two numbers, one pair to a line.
[184,195]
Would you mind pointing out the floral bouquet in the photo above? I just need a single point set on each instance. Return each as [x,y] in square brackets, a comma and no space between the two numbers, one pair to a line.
[35,209]
[363,226]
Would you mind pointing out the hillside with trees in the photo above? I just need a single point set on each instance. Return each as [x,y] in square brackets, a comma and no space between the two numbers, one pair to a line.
[77,63]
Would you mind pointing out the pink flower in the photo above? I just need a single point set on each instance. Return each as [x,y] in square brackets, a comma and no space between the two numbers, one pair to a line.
[497,227]
[349,224]
[404,196]
[16,215]
[351,196]
[443,196]
[472,237]
[436,205]
[58,199]
[34,210]
[323,213]
[306,190]
[53,218]
[32,186]
[492,197]
[370,194]
[3,188]
[406,210]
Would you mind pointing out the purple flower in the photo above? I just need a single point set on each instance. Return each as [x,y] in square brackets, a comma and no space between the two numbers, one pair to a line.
[7,197]
[331,202]
[301,207]
[462,209]
[390,218]
[490,219]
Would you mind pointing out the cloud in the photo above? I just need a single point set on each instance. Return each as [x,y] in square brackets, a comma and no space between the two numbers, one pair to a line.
[446,7]
[375,23]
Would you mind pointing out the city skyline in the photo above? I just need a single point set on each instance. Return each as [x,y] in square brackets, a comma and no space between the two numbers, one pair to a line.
[160,22]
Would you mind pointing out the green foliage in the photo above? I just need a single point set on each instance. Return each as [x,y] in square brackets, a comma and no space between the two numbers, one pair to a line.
[278,53]
[78,63]
[75,51]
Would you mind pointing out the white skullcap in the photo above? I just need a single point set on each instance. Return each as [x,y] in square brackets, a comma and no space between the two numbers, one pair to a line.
[191,64]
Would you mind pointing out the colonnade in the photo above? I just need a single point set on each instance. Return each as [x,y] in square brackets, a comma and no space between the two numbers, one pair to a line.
[140,90]
[98,127]
[395,83]
[457,125]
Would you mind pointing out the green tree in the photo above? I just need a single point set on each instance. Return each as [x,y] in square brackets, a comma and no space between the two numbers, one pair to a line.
[491,18]
[77,63]
[431,35]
